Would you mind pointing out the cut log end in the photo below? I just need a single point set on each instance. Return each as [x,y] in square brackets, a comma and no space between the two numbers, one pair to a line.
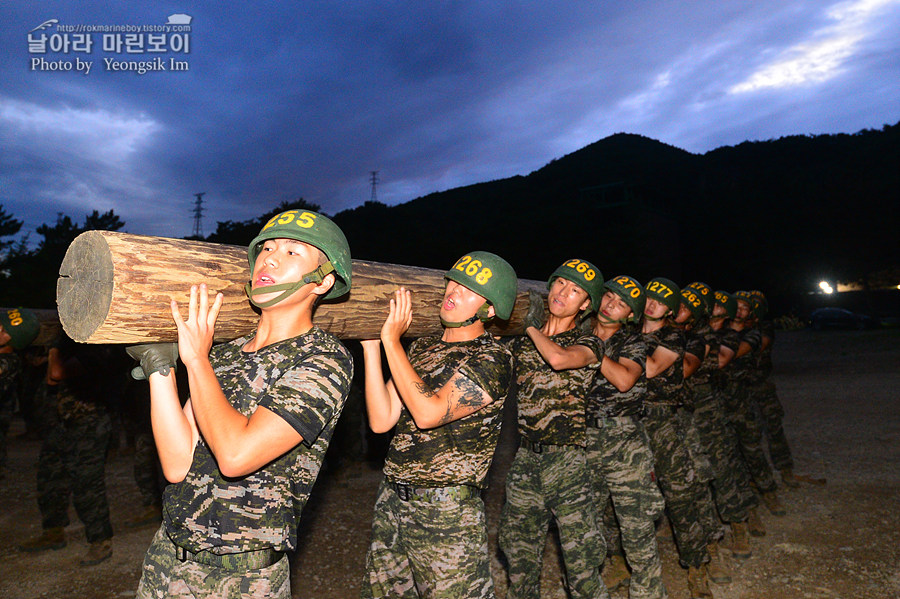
[85,285]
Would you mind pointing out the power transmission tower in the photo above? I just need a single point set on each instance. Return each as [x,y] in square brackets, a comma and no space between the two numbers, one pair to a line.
[374,179]
[198,214]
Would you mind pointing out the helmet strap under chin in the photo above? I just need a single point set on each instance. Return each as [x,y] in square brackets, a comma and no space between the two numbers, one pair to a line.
[481,314]
[316,276]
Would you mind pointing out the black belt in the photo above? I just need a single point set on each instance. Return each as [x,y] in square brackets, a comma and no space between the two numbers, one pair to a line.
[659,409]
[542,447]
[406,492]
[237,562]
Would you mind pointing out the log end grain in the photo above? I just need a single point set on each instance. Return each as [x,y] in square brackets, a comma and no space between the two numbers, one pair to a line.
[85,285]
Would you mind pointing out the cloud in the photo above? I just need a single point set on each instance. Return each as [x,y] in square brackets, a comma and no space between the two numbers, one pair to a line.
[823,57]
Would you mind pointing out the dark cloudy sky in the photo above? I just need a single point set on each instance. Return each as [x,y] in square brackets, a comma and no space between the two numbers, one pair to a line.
[303,99]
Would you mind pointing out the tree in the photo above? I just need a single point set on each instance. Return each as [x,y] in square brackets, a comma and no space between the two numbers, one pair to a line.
[31,274]
[8,226]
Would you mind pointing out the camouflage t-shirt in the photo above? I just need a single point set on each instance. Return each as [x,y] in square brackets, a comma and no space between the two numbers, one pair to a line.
[459,452]
[305,380]
[604,399]
[727,338]
[665,387]
[710,362]
[551,403]
[10,369]
[82,395]
[743,368]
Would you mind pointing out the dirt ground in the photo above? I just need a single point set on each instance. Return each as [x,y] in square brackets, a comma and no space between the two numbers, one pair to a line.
[841,393]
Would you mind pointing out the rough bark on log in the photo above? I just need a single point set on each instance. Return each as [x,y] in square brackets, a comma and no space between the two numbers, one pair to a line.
[116,287]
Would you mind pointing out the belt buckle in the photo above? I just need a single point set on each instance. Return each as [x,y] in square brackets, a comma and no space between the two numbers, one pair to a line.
[537,448]
[403,491]
[180,553]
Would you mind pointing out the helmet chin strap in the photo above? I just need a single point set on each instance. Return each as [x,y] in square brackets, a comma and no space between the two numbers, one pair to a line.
[607,320]
[655,318]
[316,277]
[481,314]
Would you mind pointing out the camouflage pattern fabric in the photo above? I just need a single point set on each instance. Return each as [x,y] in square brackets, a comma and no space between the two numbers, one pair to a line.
[539,486]
[766,398]
[604,399]
[731,482]
[423,547]
[665,388]
[460,452]
[165,576]
[10,371]
[551,403]
[428,549]
[305,380]
[742,415]
[71,464]
[621,467]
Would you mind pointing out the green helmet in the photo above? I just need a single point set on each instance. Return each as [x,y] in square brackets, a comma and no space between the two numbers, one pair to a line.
[317,230]
[22,326]
[585,275]
[760,305]
[631,292]
[706,294]
[491,277]
[692,299]
[666,292]
[727,301]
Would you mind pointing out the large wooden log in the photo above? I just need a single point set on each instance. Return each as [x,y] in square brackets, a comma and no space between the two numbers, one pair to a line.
[116,287]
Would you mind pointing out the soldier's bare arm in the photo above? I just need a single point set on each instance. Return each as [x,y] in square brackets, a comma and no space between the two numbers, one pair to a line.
[382,402]
[558,357]
[622,373]
[174,428]
[659,360]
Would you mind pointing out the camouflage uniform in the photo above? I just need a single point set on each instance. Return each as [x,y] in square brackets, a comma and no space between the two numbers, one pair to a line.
[10,371]
[226,537]
[549,475]
[764,394]
[730,483]
[72,460]
[429,532]
[621,467]
[686,495]
[742,412]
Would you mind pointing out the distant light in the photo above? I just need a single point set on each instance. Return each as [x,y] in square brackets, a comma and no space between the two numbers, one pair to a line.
[824,286]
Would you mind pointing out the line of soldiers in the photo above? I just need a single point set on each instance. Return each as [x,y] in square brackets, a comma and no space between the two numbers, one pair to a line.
[633,402]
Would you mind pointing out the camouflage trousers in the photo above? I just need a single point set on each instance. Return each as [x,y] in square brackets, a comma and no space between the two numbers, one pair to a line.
[621,467]
[772,412]
[731,482]
[744,420]
[430,548]
[688,502]
[7,405]
[540,486]
[72,464]
[165,576]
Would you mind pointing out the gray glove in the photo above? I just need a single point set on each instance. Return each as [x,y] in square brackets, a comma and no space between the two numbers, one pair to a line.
[535,315]
[153,357]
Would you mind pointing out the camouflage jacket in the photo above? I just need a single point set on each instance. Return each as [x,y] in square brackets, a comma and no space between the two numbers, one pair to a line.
[551,403]
[305,380]
[743,369]
[665,387]
[728,338]
[459,452]
[694,344]
[764,357]
[604,399]
[83,395]
[710,362]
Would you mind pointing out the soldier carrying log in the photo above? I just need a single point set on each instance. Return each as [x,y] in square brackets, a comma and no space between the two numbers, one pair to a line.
[245,449]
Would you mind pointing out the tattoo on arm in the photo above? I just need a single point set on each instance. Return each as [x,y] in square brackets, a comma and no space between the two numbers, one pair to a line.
[425,389]
[470,394]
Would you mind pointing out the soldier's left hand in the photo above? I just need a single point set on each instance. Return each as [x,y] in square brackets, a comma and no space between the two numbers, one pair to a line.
[399,318]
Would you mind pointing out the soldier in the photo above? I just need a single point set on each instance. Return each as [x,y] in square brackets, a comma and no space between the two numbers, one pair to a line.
[730,485]
[741,408]
[618,453]
[766,397]
[549,477]
[72,460]
[444,401]
[245,449]
[19,327]
[685,493]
